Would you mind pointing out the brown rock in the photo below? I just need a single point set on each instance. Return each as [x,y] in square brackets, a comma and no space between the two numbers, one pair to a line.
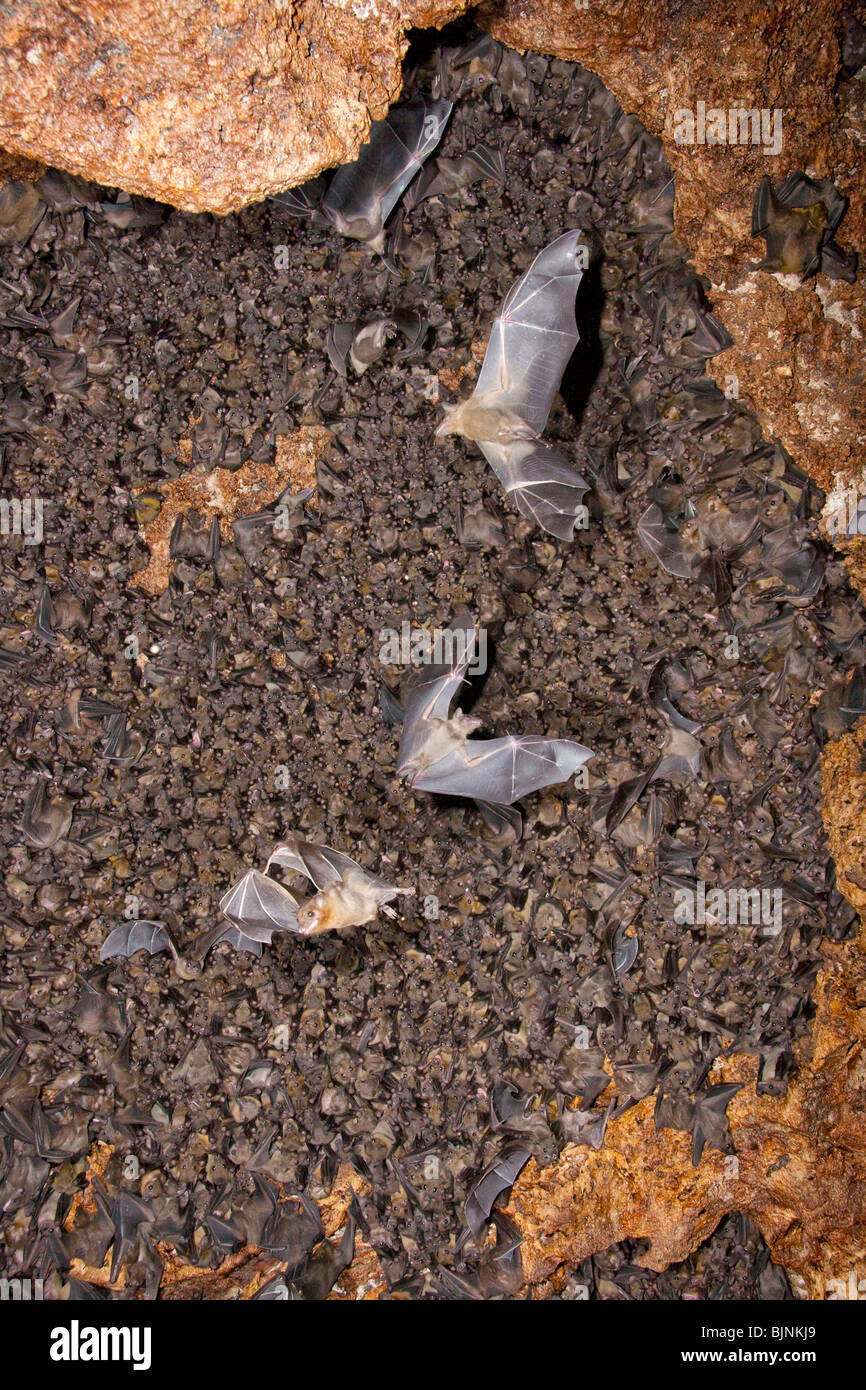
[799,1171]
[228,495]
[205,106]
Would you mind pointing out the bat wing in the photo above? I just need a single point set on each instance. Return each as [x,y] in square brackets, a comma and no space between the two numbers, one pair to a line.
[535,334]
[259,906]
[540,482]
[134,936]
[316,862]
[503,770]
[369,189]
[430,694]
[661,539]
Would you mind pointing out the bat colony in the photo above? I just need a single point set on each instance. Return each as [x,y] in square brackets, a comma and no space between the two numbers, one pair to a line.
[531,341]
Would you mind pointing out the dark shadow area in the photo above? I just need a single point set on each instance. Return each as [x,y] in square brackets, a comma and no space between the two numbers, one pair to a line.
[580,375]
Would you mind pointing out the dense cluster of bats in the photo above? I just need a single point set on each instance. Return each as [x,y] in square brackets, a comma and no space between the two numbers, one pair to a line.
[531,342]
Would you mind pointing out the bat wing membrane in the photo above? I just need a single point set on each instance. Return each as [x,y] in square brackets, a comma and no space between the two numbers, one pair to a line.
[503,770]
[540,482]
[130,937]
[371,186]
[260,906]
[535,334]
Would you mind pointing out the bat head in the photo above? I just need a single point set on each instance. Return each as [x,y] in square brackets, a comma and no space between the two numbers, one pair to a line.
[314,914]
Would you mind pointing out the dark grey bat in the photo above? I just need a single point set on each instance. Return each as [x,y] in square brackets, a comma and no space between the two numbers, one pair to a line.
[44,624]
[121,747]
[532,339]
[126,1213]
[709,1121]
[799,223]
[136,935]
[499,1177]
[451,175]
[363,344]
[361,196]
[45,821]
[437,755]
[624,951]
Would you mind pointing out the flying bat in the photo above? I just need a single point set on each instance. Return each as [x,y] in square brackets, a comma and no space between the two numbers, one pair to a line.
[346,896]
[437,755]
[362,195]
[532,339]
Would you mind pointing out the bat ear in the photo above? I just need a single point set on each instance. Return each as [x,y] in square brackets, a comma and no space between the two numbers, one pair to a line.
[444,426]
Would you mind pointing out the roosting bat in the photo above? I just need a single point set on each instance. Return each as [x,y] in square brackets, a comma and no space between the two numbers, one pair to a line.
[361,196]
[532,340]
[347,896]
[799,223]
[437,755]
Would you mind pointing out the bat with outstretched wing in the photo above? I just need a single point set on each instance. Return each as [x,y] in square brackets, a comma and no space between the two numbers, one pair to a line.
[362,195]
[259,906]
[541,483]
[531,342]
[347,896]
[660,536]
[437,755]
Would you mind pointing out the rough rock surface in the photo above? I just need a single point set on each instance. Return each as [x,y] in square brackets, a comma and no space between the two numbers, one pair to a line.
[206,106]
[795,359]
[798,352]
[218,492]
[799,1166]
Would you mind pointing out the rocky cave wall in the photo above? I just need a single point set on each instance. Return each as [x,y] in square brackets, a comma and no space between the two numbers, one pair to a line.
[214,106]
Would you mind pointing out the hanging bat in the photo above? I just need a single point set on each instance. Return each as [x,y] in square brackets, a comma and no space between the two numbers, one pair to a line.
[799,222]
[451,175]
[437,755]
[497,1178]
[362,195]
[136,935]
[660,536]
[532,339]
[363,344]
[709,1121]
[46,820]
